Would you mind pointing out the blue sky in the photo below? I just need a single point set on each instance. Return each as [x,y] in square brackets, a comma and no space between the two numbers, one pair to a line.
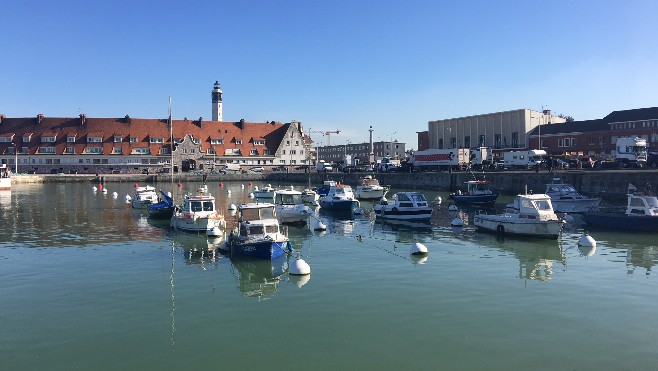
[333,65]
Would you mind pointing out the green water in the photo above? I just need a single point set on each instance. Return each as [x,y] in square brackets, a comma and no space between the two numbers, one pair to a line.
[88,283]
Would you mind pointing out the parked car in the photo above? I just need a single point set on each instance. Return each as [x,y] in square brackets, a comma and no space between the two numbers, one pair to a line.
[279,168]
[588,162]
[257,169]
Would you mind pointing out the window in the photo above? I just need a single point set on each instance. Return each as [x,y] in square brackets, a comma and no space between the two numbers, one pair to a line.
[94,150]
[211,151]
[441,143]
[216,141]
[238,141]
[26,139]
[296,142]
[266,152]
[46,149]
[94,139]
[544,143]
[156,140]
[287,142]
[481,141]
[467,142]
[497,142]
[47,139]
[141,151]
[253,152]
[117,139]
[259,142]
[70,139]
[133,140]
[293,152]
[117,150]
[591,141]
[515,139]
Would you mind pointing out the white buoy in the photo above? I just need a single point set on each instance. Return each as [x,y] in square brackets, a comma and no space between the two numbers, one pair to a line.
[438,199]
[418,249]
[256,188]
[453,208]
[299,268]
[419,259]
[104,190]
[242,186]
[228,192]
[251,195]
[94,188]
[457,222]
[115,195]
[586,241]
[214,232]
[317,225]
[232,207]
[169,194]
[128,198]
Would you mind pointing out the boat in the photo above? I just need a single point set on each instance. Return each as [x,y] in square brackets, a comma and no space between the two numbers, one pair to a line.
[641,214]
[339,198]
[198,214]
[309,196]
[529,215]
[323,190]
[144,196]
[5,178]
[370,189]
[404,206]
[163,209]
[265,192]
[478,193]
[258,233]
[566,199]
[290,208]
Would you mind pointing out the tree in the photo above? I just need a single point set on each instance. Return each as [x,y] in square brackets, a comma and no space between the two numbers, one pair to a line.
[566,117]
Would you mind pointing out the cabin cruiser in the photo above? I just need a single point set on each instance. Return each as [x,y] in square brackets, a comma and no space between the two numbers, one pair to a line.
[144,196]
[339,198]
[198,214]
[290,207]
[265,192]
[529,215]
[370,189]
[258,233]
[326,186]
[5,178]
[478,193]
[641,214]
[404,206]
[566,199]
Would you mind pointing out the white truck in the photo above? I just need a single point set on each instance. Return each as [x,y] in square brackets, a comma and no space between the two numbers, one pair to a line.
[481,157]
[323,166]
[631,152]
[230,169]
[441,159]
[524,159]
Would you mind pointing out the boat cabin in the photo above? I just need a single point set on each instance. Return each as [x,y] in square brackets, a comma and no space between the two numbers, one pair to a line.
[476,187]
[537,206]
[641,205]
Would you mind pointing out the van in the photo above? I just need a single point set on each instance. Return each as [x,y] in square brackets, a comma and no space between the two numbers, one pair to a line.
[230,168]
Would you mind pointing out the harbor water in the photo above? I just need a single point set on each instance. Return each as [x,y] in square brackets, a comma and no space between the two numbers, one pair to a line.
[86,282]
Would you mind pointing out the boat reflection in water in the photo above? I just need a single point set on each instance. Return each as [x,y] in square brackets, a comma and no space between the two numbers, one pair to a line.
[198,249]
[258,278]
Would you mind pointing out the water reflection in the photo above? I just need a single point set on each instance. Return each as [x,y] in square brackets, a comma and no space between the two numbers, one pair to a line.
[258,278]
[641,257]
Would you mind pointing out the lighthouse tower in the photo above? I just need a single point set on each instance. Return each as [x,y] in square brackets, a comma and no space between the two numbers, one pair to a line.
[217,103]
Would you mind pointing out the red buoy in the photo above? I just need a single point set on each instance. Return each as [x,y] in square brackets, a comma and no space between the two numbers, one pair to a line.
[180,185]
[221,184]
[250,184]
[136,185]
[100,186]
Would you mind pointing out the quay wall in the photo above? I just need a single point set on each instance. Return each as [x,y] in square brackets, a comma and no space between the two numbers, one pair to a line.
[605,183]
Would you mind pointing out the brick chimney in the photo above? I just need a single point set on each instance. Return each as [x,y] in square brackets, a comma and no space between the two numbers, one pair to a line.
[83,119]
[241,124]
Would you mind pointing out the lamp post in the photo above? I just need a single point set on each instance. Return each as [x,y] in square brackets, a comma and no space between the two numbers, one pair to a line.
[393,133]
[15,159]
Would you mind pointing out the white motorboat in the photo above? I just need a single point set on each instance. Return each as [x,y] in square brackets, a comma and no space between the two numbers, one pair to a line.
[404,206]
[529,215]
[370,189]
[265,192]
[290,207]
[339,198]
[640,214]
[566,199]
[5,178]
[258,233]
[198,214]
[144,196]
[309,196]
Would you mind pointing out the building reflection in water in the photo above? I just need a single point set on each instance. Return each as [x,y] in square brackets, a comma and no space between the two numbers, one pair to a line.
[641,257]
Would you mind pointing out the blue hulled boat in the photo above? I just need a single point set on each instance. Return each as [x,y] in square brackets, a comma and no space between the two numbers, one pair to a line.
[163,209]
[339,198]
[258,233]
[323,190]
[478,193]
[641,214]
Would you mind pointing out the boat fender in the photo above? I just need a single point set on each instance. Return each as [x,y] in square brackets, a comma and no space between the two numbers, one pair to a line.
[500,229]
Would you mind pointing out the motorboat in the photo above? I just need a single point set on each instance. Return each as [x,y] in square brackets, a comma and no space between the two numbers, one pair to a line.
[529,215]
[290,207]
[641,214]
[144,196]
[404,206]
[198,214]
[478,193]
[566,199]
[265,192]
[340,198]
[309,196]
[370,189]
[323,190]
[258,233]
[5,178]
[163,209]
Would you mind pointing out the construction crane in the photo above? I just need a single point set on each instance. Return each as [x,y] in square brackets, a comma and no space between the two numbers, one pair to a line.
[327,133]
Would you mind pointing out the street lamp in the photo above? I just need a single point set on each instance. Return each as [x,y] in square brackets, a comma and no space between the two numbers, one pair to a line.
[15,159]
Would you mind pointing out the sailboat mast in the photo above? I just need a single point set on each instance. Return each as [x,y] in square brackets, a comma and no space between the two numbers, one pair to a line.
[171,140]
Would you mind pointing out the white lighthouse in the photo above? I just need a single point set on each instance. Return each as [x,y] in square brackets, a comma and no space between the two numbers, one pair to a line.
[217,103]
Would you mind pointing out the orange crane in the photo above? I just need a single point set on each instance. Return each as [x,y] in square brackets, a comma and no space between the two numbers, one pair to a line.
[327,133]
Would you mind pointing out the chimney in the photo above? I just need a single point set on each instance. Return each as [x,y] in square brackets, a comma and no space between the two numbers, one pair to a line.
[39,118]
[200,122]
[2,117]
[241,124]
[127,118]
[83,118]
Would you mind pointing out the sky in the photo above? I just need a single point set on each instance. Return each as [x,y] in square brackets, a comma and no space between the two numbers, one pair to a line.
[332,65]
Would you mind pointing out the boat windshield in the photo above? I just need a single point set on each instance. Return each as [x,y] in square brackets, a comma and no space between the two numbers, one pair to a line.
[257,213]
[542,205]
[418,197]
[195,206]
[288,199]
[652,202]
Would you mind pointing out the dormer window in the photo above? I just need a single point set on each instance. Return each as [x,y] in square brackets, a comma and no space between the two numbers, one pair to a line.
[259,142]
[26,138]
[216,141]
[238,141]
[156,140]
[94,139]
[133,139]
[70,139]
[48,138]
[117,139]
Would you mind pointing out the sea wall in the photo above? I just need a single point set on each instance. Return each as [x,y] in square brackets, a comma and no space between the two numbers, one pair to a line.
[606,183]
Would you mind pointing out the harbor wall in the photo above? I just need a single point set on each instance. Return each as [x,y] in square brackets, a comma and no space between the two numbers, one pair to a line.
[604,183]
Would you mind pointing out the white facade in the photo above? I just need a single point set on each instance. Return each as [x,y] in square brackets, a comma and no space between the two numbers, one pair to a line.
[217,103]
[501,130]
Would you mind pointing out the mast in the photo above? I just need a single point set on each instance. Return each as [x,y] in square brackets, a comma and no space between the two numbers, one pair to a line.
[171,140]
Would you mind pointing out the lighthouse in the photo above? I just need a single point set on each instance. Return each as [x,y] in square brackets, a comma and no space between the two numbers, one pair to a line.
[217,102]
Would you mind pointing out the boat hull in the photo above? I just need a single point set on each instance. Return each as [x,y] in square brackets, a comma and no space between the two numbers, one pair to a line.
[369,194]
[622,221]
[262,249]
[401,213]
[487,199]
[575,206]
[339,205]
[549,229]
[5,184]
[192,225]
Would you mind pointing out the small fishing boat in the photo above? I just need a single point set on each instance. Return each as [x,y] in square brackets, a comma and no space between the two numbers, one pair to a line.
[323,190]
[529,215]
[566,199]
[404,206]
[309,196]
[5,178]
[198,214]
[163,209]
[339,198]
[144,196]
[290,208]
[478,193]
[265,192]
[641,214]
[370,189]
[258,233]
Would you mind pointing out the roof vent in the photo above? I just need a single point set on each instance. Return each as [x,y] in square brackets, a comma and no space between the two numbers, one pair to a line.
[40,118]
[83,118]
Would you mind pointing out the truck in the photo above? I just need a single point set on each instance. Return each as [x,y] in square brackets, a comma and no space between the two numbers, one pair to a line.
[387,164]
[323,166]
[631,152]
[524,159]
[481,157]
[441,159]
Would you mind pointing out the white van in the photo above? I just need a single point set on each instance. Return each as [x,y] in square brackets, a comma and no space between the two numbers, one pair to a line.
[230,168]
